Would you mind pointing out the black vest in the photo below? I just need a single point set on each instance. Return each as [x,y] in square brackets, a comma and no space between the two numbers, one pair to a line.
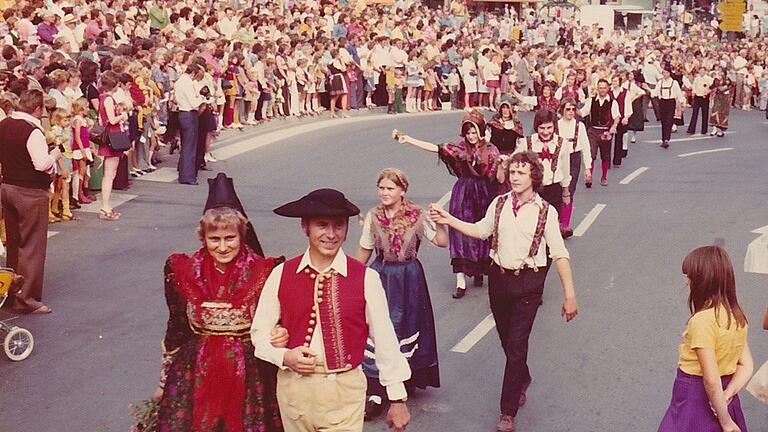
[18,169]
[600,115]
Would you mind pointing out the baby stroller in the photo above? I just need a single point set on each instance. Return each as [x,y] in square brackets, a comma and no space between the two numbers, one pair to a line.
[17,342]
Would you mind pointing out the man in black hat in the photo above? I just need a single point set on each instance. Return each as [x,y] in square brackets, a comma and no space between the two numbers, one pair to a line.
[331,304]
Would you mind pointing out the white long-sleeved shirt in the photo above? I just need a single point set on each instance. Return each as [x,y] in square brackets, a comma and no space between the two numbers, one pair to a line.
[668,89]
[516,234]
[36,145]
[392,364]
[566,129]
[187,93]
[587,108]
[560,175]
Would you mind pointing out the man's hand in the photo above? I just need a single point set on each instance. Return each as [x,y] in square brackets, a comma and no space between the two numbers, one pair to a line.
[567,199]
[624,121]
[56,153]
[570,309]
[279,337]
[300,360]
[398,416]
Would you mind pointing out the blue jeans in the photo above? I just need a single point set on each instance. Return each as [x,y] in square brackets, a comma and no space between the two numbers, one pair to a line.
[188,154]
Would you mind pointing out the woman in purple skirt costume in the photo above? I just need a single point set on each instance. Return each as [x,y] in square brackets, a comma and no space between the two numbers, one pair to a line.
[473,160]
[715,362]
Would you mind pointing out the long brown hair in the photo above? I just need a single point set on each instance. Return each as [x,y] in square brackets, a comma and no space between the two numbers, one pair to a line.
[712,283]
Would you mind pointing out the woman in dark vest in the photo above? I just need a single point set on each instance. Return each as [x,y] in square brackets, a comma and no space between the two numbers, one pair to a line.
[505,127]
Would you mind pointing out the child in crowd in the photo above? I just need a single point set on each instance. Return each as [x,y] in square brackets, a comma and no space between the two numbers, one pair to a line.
[301,84]
[61,135]
[454,82]
[715,362]
[82,155]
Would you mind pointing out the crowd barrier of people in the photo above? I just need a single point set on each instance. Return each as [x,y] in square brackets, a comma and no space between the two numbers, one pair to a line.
[95,93]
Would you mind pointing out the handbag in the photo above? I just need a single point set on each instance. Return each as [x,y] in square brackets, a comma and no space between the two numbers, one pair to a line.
[118,141]
[758,385]
[99,134]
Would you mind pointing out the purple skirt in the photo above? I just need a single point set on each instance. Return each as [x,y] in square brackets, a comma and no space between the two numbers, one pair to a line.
[470,199]
[689,409]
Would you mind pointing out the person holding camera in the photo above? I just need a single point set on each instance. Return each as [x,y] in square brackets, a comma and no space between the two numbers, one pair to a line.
[27,168]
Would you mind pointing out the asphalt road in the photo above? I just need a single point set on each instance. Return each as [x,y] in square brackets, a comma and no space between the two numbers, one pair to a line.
[609,370]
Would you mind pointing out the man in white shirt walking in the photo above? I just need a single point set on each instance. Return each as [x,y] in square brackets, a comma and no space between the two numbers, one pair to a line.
[523,227]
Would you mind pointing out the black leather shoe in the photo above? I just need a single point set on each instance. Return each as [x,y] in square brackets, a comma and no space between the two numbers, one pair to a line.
[479,280]
[566,232]
[588,185]
[372,410]
[665,145]
[460,292]
[194,183]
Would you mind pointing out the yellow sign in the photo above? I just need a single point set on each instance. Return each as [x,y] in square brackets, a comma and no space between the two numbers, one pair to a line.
[732,15]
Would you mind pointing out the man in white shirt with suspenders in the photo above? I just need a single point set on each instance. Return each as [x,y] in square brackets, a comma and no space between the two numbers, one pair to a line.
[522,226]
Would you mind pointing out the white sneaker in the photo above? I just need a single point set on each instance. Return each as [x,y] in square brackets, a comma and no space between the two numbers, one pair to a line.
[209,157]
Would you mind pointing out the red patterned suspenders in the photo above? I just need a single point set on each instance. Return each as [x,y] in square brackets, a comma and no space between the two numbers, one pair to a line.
[554,158]
[538,235]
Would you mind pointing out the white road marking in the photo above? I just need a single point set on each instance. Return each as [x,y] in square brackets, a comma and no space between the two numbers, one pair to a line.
[252,143]
[163,175]
[52,233]
[588,220]
[705,152]
[653,126]
[693,138]
[118,199]
[756,260]
[633,175]
[475,335]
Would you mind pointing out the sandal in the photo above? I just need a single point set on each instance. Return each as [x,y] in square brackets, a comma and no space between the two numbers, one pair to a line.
[70,217]
[53,219]
[108,215]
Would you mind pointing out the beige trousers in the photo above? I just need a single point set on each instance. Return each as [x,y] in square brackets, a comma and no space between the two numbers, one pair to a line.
[321,401]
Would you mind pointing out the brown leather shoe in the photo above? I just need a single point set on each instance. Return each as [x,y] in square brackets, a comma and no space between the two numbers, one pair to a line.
[506,423]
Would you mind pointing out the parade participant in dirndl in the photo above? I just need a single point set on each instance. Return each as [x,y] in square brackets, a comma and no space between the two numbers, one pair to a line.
[394,229]
[473,160]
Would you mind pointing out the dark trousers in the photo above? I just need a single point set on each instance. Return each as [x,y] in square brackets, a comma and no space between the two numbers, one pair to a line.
[514,301]
[26,221]
[618,145]
[575,171]
[654,104]
[599,145]
[699,103]
[188,124]
[354,89]
[553,194]
[667,114]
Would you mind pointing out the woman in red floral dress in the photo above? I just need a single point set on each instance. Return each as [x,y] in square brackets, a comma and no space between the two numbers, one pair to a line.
[211,380]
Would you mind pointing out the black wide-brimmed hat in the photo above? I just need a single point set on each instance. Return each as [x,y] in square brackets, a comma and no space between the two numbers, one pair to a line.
[319,203]
[221,193]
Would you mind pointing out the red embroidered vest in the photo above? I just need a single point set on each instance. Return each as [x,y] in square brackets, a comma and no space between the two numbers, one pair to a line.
[337,301]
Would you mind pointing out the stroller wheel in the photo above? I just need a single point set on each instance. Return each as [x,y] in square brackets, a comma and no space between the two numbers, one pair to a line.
[18,344]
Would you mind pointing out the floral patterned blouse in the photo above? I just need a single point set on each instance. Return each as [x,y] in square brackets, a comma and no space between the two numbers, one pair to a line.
[396,239]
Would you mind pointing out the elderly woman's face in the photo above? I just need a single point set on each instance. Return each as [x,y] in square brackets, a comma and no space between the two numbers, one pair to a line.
[223,244]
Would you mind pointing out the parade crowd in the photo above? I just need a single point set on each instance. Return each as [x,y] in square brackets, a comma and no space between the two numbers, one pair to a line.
[95,93]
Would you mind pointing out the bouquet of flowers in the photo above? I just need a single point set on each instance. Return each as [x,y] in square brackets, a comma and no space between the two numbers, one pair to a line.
[145,415]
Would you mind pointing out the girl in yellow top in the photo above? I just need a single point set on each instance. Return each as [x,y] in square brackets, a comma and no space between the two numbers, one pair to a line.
[715,361]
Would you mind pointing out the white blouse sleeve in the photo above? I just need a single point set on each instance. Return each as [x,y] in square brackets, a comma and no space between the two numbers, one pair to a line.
[366,238]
